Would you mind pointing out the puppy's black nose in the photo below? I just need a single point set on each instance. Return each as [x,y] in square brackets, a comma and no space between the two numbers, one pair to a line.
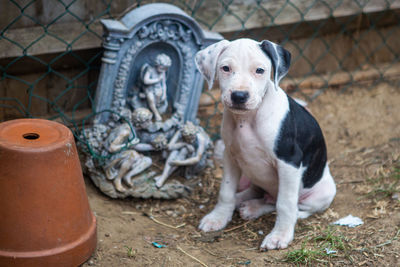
[239,97]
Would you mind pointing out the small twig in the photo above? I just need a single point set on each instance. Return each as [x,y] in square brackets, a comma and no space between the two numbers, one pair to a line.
[193,257]
[319,260]
[206,250]
[151,217]
[129,213]
[248,249]
[255,236]
[389,241]
[352,182]
[236,227]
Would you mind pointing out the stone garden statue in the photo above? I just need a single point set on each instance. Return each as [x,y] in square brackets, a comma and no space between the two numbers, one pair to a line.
[147,96]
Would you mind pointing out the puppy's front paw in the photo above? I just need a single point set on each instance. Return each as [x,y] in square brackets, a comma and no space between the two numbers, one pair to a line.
[277,240]
[215,221]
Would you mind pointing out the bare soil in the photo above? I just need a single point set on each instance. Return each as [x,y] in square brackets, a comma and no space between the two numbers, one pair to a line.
[362,130]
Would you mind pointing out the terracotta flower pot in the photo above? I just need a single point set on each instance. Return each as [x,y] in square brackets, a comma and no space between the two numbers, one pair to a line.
[45,218]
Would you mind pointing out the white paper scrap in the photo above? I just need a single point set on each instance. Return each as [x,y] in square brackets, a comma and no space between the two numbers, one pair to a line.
[350,221]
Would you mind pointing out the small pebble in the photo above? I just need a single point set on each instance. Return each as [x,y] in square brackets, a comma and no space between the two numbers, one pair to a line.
[260,232]
[396,196]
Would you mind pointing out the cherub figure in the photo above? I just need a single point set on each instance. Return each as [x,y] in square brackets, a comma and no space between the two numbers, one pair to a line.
[142,120]
[187,147]
[148,130]
[125,164]
[119,138]
[154,84]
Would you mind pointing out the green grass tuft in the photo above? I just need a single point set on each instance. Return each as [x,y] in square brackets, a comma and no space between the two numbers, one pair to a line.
[304,255]
[131,253]
[329,239]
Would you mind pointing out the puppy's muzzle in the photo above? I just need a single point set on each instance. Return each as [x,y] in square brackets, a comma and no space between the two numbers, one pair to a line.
[239,97]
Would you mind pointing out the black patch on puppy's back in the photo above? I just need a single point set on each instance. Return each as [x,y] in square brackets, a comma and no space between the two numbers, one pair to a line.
[301,142]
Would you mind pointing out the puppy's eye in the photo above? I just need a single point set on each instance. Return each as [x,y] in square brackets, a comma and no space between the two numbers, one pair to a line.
[259,70]
[226,68]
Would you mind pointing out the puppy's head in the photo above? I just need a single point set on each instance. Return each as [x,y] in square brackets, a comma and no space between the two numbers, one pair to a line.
[243,69]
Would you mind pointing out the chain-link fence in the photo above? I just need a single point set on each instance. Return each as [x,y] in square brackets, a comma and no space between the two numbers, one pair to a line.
[50,50]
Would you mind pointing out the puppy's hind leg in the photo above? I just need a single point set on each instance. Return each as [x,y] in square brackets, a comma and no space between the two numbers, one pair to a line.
[254,208]
[252,192]
[320,197]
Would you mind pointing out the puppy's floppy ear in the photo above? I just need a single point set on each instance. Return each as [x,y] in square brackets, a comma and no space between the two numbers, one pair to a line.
[206,60]
[280,59]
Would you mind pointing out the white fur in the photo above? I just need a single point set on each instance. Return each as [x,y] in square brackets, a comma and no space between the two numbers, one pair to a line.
[249,135]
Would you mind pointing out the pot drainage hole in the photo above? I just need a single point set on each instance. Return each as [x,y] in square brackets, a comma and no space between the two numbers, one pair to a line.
[31,136]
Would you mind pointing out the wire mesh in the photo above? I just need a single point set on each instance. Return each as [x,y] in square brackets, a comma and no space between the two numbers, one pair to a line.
[50,51]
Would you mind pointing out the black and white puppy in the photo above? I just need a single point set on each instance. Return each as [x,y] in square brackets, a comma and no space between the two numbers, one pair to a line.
[269,138]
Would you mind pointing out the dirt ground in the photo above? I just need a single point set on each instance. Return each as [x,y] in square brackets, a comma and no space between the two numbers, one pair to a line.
[362,130]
